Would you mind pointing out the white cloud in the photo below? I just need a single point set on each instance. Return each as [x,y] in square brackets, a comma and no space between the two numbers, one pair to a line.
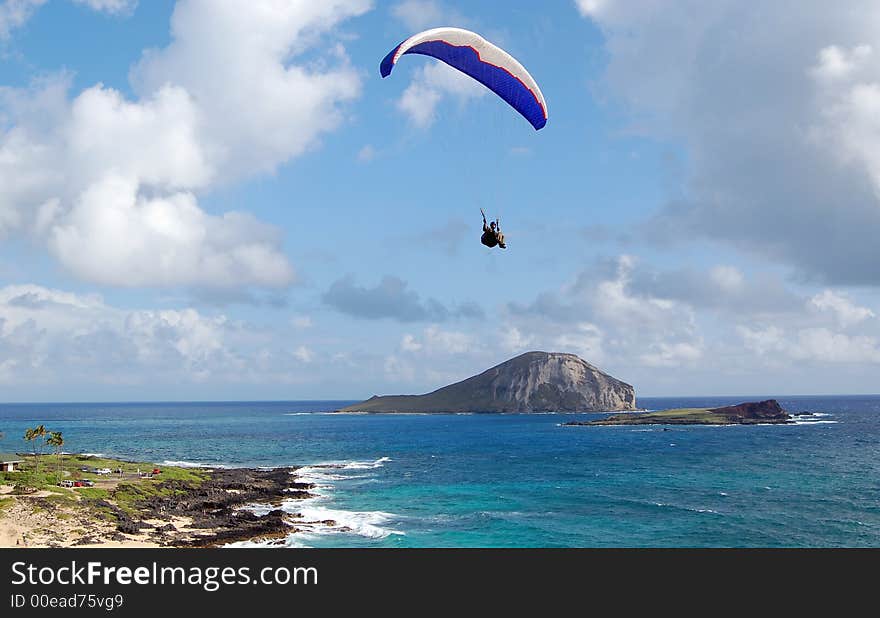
[665,354]
[513,340]
[835,63]
[848,83]
[410,344]
[302,321]
[304,354]
[762,341]
[367,154]
[111,184]
[398,370]
[15,13]
[826,346]
[238,60]
[54,338]
[115,7]
[603,319]
[817,345]
[728,279]
[432,85]
[421,14]
[435,341]
[115,237]
[846,312]
[446,341]
[585,340]
[777,112]
[588,8]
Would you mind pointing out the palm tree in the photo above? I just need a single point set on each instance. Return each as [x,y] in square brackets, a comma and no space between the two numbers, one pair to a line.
[56,439]
[33,435]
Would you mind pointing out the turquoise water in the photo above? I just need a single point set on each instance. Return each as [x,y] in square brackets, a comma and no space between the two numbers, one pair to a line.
[521,481]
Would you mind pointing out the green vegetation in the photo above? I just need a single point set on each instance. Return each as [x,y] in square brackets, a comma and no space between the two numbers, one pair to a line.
[695,414]
[676,416]
[126,490]
[35,436]
[4,502]
[93,493]
[56,441]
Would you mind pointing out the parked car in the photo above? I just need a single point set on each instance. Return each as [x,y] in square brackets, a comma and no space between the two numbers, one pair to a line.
[79,484]
[88,483]
[103,471]
[156,471]
[86,469]
[65,484]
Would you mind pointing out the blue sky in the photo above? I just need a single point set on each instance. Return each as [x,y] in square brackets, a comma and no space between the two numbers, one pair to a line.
[225,201]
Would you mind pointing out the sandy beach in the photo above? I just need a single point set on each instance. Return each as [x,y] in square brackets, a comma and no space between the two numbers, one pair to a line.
[25,522]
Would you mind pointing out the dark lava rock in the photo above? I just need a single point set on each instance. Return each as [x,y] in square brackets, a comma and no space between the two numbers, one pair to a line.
[754,412]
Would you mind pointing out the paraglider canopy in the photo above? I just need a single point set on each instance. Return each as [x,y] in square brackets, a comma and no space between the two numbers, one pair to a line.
[478,58]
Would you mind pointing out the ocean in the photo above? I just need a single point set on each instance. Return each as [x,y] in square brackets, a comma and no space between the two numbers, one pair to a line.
[519,480]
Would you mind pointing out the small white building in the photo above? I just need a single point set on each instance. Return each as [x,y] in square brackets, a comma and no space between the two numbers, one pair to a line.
[8,462]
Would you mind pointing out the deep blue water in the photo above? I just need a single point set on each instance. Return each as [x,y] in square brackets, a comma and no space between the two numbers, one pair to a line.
[521,480]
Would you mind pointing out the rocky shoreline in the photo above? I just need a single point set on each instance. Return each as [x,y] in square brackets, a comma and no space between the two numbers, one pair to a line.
[203,507]
[216,508]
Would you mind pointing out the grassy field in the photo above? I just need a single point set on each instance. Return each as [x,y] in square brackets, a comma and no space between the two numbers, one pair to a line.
[125,490]
[692,413]
[695,416]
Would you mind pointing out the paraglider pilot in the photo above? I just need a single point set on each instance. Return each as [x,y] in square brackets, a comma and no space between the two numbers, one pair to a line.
[492,234]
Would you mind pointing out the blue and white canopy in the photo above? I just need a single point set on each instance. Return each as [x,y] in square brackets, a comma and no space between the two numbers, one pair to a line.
[488,64]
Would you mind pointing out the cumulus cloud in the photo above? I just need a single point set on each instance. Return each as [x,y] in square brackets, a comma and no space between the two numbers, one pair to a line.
[115,7]
[304,354]
[818,345]
[15,13]
[710,330]
[602,317]
[367,154]
[846,312]
[434,358]
[777,112]
[583,339]
[164,241]
[238,60]
[392,298]
[432,85]
[50,335]
[111,183]
[588,8]
[54,338]
[410,344]
[436,83]
[422,14]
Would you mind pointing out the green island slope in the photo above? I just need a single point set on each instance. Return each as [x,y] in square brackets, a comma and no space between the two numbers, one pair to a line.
[749,413]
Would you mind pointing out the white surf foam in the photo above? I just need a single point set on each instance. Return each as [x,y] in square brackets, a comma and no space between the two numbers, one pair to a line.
[814,422]
[322,520]
[193,464]
[314,517]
